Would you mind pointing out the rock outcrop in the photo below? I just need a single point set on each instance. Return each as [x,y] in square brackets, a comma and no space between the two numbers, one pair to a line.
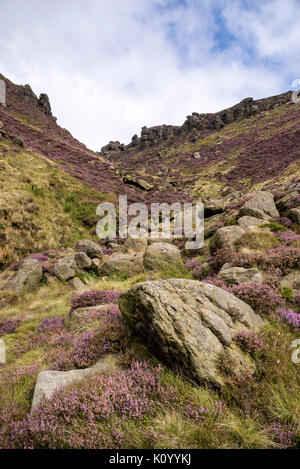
[246,108]
[189,324]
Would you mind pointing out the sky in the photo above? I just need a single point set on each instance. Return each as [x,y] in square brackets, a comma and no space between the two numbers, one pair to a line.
[113,66]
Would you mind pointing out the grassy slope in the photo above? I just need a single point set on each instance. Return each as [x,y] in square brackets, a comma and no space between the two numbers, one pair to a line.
[41,207]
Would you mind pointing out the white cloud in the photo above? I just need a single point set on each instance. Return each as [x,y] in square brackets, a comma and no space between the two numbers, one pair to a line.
[111,67]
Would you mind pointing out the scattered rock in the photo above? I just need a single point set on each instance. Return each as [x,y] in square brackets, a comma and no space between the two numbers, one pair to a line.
[212,207]
[136,244]
[292,280]
[123,264]
[91,248]
[129,179]
[82,260]
[65,268]
[19,141]
[238,275]
[225,237]
[283,203]
[188,324]
[27,278]
[95,264]
[162,256]
[78,286]
[260,205]
[49,381]
[294,214]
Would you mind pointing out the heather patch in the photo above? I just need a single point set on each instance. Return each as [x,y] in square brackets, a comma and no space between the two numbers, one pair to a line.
[51,325]
[195,266]
[249,341]
[287,237]
[111,336]
[262,298]
[9,326]
[95,298]
[89,415]
[289,317]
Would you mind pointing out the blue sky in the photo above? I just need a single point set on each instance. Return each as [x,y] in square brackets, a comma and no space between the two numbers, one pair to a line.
[112,67]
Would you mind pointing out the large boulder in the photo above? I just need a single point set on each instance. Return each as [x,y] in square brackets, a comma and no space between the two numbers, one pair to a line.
[123,264]
[91,248]
[260,205]
[225,237]
[162,256]
[49,381]
[27,278]
[239,275]
[65,268]
[188,324]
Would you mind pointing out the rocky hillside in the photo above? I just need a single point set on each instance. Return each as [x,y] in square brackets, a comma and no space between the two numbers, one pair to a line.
[30,118]
[141,343]
[252,144]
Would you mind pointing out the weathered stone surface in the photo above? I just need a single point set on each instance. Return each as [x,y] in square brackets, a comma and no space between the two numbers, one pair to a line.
[44,103]
[27,278]
[283,203]
[247,107]
[136,244]
[135,181]
[49,381]
[162,256]
[123,264]
[111,146]
[82,260]
[238,275]
[95,263]
[294,214]
[91,248]
[246,221]
[188,324]
[260,205]
[225,237]
[65,268]
[78,286]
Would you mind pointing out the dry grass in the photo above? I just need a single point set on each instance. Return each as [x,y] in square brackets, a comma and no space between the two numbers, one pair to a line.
[40,206]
